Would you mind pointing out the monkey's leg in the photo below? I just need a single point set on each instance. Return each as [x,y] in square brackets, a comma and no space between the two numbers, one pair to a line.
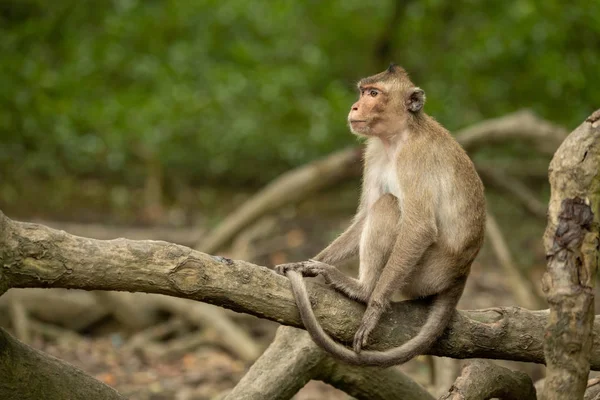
[377,233]
[377,240]
[378,237]
[411,242]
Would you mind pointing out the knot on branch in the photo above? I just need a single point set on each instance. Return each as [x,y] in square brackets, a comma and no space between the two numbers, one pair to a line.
[188,277]
[574,221]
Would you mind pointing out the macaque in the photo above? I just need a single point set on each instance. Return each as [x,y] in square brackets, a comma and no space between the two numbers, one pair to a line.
[419,224]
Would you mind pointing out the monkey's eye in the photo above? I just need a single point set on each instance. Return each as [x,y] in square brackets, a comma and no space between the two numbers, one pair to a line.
[373,92]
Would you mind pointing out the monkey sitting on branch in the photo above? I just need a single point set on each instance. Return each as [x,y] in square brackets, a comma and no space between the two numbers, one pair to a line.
[419,224]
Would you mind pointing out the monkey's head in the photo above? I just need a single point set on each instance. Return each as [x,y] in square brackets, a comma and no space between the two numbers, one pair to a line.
[386,103]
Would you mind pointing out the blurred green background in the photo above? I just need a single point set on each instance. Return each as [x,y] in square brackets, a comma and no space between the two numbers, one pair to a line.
[233,93]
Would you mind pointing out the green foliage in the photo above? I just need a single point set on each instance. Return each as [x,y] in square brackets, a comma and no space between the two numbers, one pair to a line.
[242,91]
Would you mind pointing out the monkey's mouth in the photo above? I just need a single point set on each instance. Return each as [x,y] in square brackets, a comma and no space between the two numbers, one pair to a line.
[358,127]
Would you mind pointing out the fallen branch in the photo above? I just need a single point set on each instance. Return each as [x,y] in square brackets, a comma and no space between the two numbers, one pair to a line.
[282,370]
[54,332]
[572,243]
[443,372]
[287,188]
[528,170]
[481,380]
[293,350]
[72,309]
[228,334]
[180,346]
[132,310]
[370,382]
[153,334]
[20,321]
[522,125]
[36,256]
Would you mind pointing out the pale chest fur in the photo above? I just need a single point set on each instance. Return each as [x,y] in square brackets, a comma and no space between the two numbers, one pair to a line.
[381,177]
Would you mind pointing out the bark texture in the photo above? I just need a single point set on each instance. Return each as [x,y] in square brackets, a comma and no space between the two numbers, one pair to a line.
[29,374]
[482,380]
[571,242]
[36,256]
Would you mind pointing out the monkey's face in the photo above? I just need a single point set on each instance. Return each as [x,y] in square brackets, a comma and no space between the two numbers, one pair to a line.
[385,104]
[368,116]
[376,113]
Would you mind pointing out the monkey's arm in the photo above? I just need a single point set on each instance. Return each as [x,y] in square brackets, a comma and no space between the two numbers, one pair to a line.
[416,233]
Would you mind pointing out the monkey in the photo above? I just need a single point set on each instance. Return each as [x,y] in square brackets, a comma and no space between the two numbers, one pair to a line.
[419,224]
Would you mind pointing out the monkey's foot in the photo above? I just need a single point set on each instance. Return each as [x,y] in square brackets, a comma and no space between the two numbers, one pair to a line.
[369,322]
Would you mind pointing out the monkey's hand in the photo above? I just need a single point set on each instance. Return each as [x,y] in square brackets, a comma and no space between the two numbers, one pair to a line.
[369,322]
[308,268]
[301,267]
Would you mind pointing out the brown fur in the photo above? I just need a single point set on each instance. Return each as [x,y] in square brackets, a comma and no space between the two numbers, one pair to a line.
[419,225]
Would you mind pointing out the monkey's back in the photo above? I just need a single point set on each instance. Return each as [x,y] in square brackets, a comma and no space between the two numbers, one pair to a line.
[461,206]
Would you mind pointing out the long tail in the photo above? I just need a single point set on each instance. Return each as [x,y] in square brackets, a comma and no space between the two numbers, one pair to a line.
[442,308]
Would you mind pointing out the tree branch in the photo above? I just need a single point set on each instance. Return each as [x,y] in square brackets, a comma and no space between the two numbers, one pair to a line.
[370,383]
[270,377]
[288,188]
[522,288]
[294,350]
[484,380]
[36,256]
[523,125]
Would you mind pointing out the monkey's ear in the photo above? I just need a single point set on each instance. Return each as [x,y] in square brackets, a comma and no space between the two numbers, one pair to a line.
[416,100]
